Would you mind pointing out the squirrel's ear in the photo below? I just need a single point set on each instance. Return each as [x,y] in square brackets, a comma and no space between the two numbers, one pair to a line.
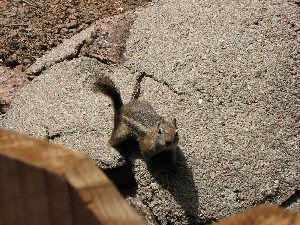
[174,122]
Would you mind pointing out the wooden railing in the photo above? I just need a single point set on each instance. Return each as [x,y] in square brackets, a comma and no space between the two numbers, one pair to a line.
[42,183]
[46,184]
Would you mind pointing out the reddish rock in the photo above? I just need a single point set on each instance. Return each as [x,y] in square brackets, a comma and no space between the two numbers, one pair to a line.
[10,83]
[108,42]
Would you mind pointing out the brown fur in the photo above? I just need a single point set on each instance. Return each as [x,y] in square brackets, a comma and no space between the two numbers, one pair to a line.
[138,120]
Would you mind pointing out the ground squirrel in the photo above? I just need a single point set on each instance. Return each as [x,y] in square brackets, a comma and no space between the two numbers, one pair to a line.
[138,120]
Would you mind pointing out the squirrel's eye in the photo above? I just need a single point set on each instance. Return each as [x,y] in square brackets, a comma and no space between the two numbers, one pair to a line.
[160,131]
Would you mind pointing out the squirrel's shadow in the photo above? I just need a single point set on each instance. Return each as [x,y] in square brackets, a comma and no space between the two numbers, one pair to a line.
[177,180]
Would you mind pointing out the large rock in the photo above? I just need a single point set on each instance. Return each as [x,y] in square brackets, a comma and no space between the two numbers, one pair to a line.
[60,106]
[10,83]
[229,72]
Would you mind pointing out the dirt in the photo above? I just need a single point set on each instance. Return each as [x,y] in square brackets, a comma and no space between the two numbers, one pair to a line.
[29,28]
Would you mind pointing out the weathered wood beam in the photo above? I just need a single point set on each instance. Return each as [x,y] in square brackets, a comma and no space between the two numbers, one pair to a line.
[263,215]
[43,183]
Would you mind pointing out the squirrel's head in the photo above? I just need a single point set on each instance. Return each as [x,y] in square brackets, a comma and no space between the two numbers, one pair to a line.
[166,134]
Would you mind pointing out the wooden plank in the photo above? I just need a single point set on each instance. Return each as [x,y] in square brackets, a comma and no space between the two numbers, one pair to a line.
[263,215]
[42,183]
[11,207]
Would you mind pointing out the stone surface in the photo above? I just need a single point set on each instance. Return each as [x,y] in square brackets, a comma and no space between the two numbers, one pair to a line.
[67,50]
[60,106]
[229,72]
[10,83]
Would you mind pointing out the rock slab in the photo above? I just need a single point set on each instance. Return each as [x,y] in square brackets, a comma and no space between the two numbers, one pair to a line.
[60,106]
[229,72]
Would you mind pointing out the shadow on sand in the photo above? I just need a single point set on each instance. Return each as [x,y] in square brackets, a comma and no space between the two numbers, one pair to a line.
[178,181]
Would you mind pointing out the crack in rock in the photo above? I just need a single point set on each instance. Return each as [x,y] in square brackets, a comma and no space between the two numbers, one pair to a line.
[57,134]
[99,58]
[137,89]
[292,199]
[52,136]
[69,49]
[165,83]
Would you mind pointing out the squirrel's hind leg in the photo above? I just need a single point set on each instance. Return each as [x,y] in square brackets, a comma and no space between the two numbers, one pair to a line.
[119,135]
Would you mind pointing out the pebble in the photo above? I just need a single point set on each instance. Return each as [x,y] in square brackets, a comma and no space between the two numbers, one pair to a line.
[63,30]
[153,186]
[12,60]
[72,25]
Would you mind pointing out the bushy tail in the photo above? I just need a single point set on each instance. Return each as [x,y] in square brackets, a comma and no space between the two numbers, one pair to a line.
[105,85]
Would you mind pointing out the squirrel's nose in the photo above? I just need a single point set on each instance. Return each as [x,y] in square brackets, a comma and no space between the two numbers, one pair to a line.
[168,142]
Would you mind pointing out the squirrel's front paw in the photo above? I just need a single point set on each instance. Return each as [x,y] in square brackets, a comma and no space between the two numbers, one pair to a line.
[116,156]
